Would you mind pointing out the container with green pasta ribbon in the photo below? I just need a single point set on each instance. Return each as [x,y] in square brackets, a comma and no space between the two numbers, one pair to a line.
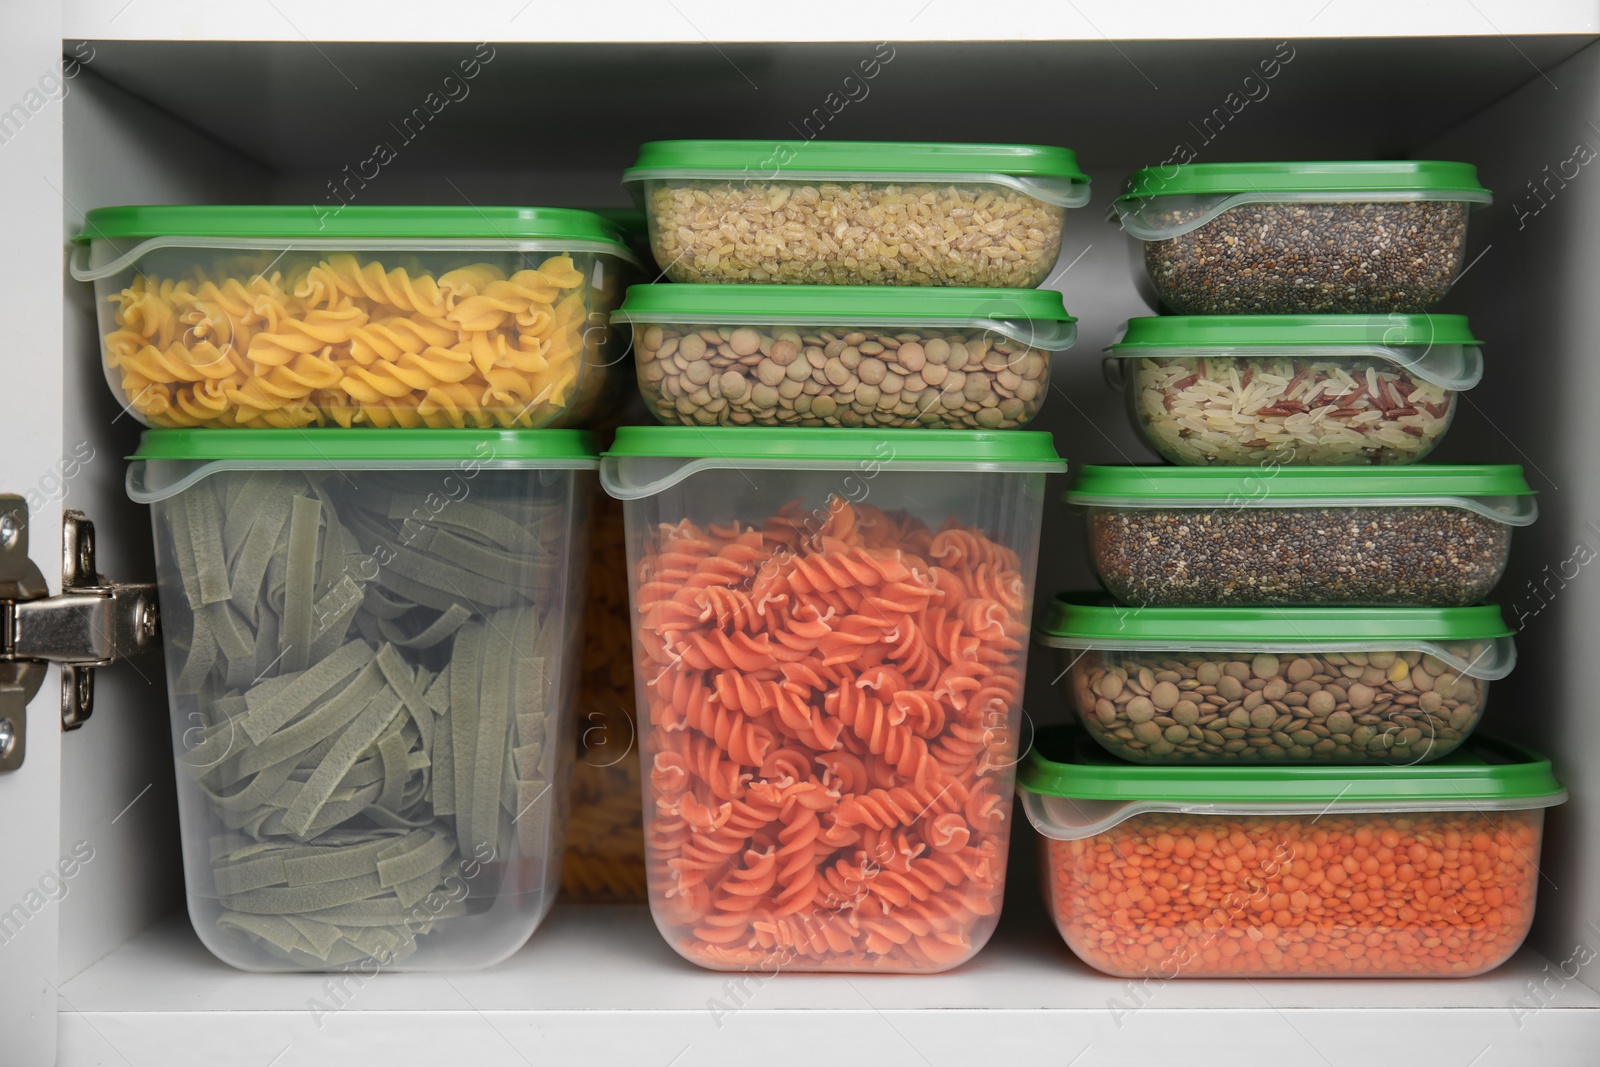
[370,664]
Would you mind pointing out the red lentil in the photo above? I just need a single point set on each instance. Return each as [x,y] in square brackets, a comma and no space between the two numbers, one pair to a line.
[1398,894]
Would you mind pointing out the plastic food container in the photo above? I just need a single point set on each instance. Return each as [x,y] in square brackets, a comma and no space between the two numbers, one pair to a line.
[388,317]
[1278,685]
[605,828]
[856,212]
[830,634]
[371,659]
[872,356]
[1319,872]
[1291,238]
[1286,389]
[1429,535]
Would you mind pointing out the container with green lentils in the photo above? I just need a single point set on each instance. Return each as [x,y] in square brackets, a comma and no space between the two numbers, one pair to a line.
[877,357]
[1278,685]
[1347,237]
[1429,535]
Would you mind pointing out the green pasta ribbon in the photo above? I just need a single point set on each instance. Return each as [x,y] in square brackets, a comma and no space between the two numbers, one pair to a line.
[373,671]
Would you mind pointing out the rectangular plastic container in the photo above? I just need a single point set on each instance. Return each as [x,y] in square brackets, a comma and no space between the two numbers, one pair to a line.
[829,689]
[856,212]
[362,316]
[1259,872]
[1348,237]
[1280,390]
[861,356]
[1426,536]
[371,646]
[1278,685]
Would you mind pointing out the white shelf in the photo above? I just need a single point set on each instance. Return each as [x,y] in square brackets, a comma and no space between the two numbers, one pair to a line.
[599,985]
[822,20]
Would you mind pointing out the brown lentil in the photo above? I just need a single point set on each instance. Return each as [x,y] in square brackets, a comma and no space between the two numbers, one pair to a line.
[856,233]
[1235,707]
[1306,258]
[839,376]
[1259,556]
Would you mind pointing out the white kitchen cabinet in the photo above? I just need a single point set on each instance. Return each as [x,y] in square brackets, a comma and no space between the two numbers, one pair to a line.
[271,101]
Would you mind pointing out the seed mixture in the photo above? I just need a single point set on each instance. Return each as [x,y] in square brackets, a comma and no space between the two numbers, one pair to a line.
[1401,894]
[843,376]
[1331,707]
[857,233]
[1300,258]
[1240,411]
[1259,557]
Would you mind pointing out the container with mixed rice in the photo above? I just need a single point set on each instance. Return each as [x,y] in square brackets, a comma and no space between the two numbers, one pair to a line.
[1330,390]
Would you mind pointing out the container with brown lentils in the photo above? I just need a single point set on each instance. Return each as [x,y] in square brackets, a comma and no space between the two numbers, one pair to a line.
[1278,685]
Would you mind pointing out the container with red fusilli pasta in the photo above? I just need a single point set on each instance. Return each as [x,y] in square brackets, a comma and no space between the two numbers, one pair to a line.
[830,639]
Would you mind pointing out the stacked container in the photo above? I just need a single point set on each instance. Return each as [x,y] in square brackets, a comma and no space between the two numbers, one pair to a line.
[371,550]
[1296,633]
[832,554]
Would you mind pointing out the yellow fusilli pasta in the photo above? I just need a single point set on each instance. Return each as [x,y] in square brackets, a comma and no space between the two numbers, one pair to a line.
[339,341]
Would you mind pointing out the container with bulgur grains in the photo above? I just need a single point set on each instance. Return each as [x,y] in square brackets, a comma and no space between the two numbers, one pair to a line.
[868,356]
[1315,872]
[1278,685]
[1282,238]
[856,212]
[1331,390]
[1428,535]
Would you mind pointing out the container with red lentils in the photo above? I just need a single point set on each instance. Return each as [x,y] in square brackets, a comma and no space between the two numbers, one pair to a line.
[1310,872]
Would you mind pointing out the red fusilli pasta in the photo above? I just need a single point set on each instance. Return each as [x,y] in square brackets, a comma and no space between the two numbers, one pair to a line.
[828,737]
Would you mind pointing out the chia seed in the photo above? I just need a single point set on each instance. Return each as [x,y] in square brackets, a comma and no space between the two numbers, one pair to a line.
[1255,556]
[1308,258]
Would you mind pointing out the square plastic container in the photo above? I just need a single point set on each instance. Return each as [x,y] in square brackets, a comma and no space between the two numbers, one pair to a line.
[830,642]
[371,647]
[863,356]
[1349,237]
[1276,390]
[856,212]
[387,317]
[1278,685]
[1427,536]
[1259,872]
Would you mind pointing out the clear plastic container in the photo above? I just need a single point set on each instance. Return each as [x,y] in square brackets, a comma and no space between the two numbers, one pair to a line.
[1364,872]
[371,650]
[1278,390]
[386,317]
[830,641]
[864,356]
[1350,237]
[1429,535]
[856,212]
[1278,685]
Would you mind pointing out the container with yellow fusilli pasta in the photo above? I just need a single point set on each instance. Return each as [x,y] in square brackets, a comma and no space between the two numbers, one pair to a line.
[397,317]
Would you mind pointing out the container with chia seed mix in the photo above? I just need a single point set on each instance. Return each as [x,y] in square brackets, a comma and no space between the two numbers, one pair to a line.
[1348,237]
[1278,685]
[1295,389]
[1434,536]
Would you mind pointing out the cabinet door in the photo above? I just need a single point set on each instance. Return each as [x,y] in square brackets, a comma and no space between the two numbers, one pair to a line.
[31,434]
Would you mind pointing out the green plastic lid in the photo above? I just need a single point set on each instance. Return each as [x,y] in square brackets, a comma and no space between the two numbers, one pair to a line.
[357,221]
[1232,331]
[1430,177]
[760,158]
[1087,620]
[1202,486]
[824,303]
[1483,772]
[329,446]
[958,448]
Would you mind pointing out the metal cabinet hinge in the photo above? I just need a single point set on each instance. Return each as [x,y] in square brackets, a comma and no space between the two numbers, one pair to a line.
[92,623]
